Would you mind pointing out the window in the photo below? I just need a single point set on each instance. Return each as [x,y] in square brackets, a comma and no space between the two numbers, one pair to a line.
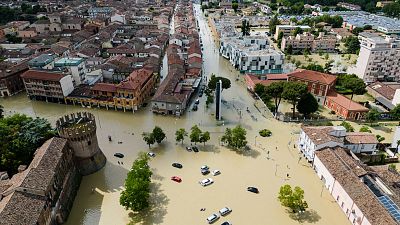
[337,199]
[89,142]
[342,204]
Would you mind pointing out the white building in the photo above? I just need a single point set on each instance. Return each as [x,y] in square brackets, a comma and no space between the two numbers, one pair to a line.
[378,59]
[120,18]
[312,139]
[287,30]
[251,54]
[75,67]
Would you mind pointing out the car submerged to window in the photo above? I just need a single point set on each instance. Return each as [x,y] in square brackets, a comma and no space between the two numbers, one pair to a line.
[225,211]
[206,182]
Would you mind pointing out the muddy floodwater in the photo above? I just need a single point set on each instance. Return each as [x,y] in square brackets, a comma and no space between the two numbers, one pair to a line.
[180,203]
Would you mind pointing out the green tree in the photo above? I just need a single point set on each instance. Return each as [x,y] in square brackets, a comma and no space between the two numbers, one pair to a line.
[395,112]
[273,23]
[20,136]
[372,115]
[236,137]
[380,138]
[148,138]
[347,126]
[245,27]
[297,31]
[204,137]
[180,135]
[355,85]
[289,50]
[398,143]
[212,83]
[292,92]
[137,185]
[275,91]
[392,9]
[328,66]
[280,36]
[158,134]
[1,112]
[314,67]
[195,134]
[307,104]
[235,6]
[13,39]
[365,129]
[292,198]
[352,44]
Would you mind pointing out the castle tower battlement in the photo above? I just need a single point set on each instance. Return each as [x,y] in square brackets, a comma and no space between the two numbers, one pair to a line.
[80,131]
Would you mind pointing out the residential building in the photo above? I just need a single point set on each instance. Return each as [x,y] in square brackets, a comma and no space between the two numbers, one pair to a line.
[384,94]
[10,78]
[48,86]
[251,54]
[313,139]
[75,67]
[43,61]
[345,107]
[44,192]
[378,58]
[287,30]
[100,12]
[349,6]
[318,84]
[341,33]
[367,195]
[57,23]
[382,4]
[253,79]
[300,42]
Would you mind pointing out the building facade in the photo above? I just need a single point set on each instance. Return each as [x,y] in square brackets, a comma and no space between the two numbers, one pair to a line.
[287,30]
[10,79]
[378,58]
[300,42]
[47,86]
[345,107]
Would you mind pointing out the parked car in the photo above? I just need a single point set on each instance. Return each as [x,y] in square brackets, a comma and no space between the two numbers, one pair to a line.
[189,149]
[226,223]
[119,155]
[253,189]
[216,172]
[204,171]
[225,211]
[195,149]
[151,154]
[211,219]
[206,182]
[201,94]
[177,165]
[197,101]
[195,108]
[176,179]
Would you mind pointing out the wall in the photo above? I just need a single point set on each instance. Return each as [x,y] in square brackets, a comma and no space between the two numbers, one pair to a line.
[67,85]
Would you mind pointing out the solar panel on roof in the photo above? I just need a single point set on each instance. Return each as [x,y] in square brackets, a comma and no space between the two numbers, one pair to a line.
[390,206]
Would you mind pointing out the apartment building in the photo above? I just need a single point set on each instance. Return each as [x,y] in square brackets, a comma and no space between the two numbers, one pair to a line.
[251,54]
[74,66]
[10,78]
[378,59]
[287,30]
[349,6]
[300,42]
[47,86]
[313,139]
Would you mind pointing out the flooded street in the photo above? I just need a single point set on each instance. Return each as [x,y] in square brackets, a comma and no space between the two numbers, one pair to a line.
[179,203]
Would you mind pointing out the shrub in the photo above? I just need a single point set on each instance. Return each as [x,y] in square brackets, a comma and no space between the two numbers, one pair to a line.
[265,133]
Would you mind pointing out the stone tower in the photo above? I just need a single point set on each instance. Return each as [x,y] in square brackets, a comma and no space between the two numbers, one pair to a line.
[80,131]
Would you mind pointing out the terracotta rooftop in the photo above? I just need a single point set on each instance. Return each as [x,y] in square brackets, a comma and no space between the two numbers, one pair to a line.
[360,138]
[346,102]
[314,76]
[321,134]
[341,165]
[104,87]
[42,75]
[383,90]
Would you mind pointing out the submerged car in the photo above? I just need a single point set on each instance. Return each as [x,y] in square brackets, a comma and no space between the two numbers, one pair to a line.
[204,171]
[119,155]
[177,165]
[225,211]
[253,189]
[211,219]
[216,172]
[206,182]
[195,149]
[176,179]
[151,154]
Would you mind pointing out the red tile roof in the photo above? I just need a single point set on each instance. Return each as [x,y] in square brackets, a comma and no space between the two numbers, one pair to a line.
[104,87]
[345,102]
[42,75]
[314,76]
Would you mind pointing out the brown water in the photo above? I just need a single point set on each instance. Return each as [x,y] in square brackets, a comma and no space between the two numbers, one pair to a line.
[175,203]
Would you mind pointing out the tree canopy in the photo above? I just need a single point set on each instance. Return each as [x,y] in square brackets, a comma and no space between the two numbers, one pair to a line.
[245,28]
[181,134]
[372,115]
[293,91]
[352,44]
[347,126]
[25,12]
[20,136]
[195,134]
[392,9]
[314,67]
[137,185]
[235,138]
[158,134]
[395,112]
[273,23]
[350,84]
[204,137]
[212,83]
[307,104]
[292,198]
[275,90]
[148,137]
